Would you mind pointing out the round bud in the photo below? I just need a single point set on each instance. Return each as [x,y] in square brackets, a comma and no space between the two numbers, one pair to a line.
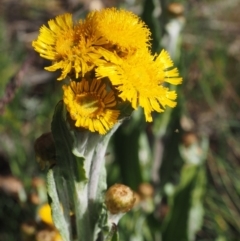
[145,190]
[44,148]
[189,138]
[119,199]
[175,9]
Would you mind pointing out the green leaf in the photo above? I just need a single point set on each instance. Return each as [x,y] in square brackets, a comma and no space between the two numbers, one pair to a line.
[152,22]
[56,207]
[175,226]
[71,171]
[63,138]
[126,147]
[115,236]
[81,173]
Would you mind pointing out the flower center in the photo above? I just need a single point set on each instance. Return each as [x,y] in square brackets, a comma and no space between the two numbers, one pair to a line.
[89,104]
[64,44]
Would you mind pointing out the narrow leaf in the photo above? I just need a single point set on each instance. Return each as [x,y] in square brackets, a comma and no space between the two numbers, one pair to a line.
[66,160]
[57,212]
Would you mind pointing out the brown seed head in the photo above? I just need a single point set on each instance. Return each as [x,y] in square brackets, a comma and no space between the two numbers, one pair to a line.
[119,199]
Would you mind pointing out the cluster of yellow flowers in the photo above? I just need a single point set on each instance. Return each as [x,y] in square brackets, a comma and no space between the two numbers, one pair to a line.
[108,61]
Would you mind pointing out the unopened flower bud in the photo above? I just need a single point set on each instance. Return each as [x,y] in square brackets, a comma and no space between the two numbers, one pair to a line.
[119,199]
[28,230]
[175,9]
[38,182]
[45,150]
[189,138]
[145,190]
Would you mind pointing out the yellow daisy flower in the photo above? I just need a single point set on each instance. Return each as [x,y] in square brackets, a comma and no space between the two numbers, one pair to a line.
[103,36]
[91,105]
[139,80]
[55,43]
[123,30]
[67,46]
[45,214]
[108,43]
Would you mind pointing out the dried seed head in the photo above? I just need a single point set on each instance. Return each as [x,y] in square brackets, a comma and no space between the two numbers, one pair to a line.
[119,199]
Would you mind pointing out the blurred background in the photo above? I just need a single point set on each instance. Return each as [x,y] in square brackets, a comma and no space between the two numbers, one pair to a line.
[184,167]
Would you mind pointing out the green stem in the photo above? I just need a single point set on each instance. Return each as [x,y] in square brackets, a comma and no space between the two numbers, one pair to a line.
[111,234]
[98,163]
[97,179]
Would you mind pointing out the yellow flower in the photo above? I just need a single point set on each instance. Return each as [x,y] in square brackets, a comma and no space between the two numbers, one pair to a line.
[108,43]
[103,36]
[67,46]
[140,79]
[91,105]
[122,30]
[54,43]
[45,214]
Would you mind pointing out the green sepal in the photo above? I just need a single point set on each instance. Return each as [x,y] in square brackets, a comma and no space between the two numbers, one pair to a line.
[126,110]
